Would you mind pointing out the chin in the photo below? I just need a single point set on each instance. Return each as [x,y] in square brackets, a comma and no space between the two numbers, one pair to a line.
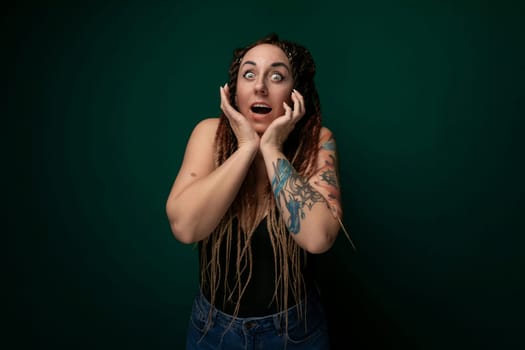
[262,125]
[260,129]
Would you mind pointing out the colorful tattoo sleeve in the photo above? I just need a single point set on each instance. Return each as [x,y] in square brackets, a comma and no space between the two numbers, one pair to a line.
[295,192]
[325,179]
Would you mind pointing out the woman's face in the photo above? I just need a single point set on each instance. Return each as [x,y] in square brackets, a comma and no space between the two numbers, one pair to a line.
[264,82]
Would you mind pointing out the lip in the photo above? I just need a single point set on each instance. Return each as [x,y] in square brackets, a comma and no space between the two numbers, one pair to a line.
[260,103]
[258,117]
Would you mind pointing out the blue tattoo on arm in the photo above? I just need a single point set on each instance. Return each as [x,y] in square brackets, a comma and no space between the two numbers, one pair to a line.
[295,191]
[282,174]
[329,145]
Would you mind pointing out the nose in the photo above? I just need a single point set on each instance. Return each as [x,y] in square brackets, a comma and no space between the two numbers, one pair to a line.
[260,86]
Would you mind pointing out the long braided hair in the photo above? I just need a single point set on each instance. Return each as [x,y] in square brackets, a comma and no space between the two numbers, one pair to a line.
[301,148]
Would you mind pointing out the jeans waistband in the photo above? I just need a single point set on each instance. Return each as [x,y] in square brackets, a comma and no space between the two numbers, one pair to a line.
[277,321]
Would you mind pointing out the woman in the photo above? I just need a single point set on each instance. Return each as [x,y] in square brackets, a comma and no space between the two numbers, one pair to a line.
[258,190]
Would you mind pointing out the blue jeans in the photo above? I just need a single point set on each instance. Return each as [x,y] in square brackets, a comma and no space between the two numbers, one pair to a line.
[222,331]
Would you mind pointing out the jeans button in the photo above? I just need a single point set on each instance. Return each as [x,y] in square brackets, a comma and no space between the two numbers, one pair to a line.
[249,324]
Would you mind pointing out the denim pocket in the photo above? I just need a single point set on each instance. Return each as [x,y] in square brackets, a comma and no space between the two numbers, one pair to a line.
[307,332]
[199,317]
[312,330]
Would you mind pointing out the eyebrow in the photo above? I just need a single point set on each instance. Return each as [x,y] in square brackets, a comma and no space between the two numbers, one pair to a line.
[275,64]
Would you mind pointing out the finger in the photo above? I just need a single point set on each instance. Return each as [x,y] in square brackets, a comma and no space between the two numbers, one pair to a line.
[225,103]
[288,112]
[297,114]
[296,104]
[226,90]
[300,104]
[224,98]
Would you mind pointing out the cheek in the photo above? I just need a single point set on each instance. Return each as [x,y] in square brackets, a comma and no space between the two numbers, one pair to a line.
[287,97]
[240,98]
[280,108]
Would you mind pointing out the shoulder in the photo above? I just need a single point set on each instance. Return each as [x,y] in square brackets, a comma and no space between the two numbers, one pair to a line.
[202,137]
[205,130]
[208,125]
[325,132]
[200,148]
[326,138]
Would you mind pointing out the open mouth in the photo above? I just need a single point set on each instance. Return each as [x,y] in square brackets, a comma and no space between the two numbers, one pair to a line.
[260,109]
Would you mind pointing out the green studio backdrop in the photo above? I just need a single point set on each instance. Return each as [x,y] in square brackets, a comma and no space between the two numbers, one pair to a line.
[423,100]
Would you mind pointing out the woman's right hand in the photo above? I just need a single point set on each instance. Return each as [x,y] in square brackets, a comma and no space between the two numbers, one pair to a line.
[245,133]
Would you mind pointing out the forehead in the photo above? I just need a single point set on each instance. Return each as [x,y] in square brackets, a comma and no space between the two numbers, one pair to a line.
[266,53]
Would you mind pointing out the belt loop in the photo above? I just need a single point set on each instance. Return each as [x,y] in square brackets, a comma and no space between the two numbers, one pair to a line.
[206,307]
[214,313]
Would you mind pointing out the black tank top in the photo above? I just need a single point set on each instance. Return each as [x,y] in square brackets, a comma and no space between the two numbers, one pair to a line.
[257,299]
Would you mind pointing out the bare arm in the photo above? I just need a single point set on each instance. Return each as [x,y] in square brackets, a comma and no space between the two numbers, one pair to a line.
[310,207]
[201,193]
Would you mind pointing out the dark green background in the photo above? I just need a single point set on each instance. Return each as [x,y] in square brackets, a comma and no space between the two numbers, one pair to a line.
[425,100]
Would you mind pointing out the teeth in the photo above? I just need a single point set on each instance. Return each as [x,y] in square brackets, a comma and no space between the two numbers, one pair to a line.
[261,105]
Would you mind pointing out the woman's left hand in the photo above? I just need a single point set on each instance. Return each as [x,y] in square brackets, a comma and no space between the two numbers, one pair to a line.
[278,131]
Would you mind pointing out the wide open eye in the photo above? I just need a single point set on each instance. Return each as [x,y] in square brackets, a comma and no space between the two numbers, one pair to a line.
[276,77]
[249,75]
